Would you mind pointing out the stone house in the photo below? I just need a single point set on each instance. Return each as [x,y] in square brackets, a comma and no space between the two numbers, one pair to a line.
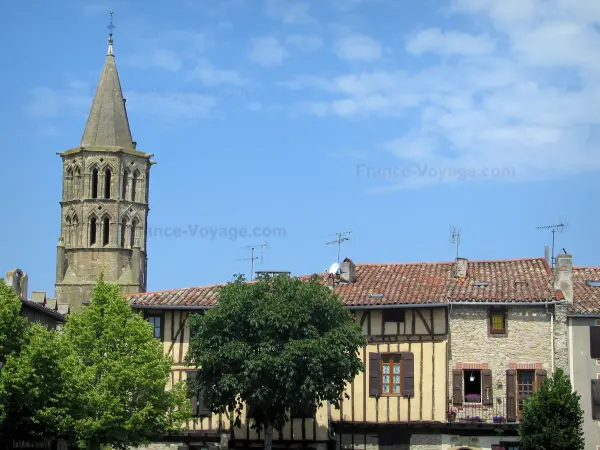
[584,349]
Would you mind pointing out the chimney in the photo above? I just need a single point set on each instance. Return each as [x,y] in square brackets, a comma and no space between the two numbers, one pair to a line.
[347,269]
[17,281]
[547,255]
[563,276]
[461,267]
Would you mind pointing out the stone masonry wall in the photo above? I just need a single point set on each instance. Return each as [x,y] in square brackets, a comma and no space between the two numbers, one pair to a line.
[561,339]
[528,341]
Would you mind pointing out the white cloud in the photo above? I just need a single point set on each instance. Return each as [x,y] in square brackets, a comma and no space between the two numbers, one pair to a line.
[171,107]
[208,74]
[528,104]
[358,48]
[433,40]
[267,51]
[159,58]
[305,42]
[49,103]
[289,12]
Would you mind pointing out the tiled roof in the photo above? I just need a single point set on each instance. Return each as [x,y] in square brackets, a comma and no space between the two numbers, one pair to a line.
[586,299]
[519,281]
[44,309]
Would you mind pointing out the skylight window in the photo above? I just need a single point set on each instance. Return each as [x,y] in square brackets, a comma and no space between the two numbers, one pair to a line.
[481,284]
[593,283]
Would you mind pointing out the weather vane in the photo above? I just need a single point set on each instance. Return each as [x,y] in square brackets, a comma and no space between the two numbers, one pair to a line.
[110,26]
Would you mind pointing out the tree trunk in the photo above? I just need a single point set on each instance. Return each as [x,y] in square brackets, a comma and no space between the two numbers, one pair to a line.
[268,436]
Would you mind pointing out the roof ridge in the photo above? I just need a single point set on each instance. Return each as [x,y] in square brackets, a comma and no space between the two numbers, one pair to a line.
[537,258]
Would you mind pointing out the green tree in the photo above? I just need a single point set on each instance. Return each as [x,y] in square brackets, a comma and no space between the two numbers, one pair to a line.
[123,375]
[274,344]
[38,387]
[12,324]
[552,418]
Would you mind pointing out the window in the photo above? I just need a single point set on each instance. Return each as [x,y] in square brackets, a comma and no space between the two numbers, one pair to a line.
[95,183]
[124,186]
[593,283]
[123,231]
[509,445]
[497,320]
[132,236]
[93,231]
[196,399]
[391,370]
[105,231]
[595,342]
[156,322]
[472,383]
[134,181]
[303,412]
[393,315]
[107,176]
[596,399]
[525,386]
[472,386]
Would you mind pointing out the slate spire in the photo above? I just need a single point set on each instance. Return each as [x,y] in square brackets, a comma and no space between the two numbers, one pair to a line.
[107,124]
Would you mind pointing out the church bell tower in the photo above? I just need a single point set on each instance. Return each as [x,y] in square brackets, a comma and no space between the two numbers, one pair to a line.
[104,207]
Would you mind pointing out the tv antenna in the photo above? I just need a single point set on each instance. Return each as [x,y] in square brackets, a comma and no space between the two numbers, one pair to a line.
[553,228]
[455,238]
[341,237]
[253,258]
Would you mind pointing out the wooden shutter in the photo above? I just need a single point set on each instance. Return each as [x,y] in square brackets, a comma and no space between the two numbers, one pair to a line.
[595,342]
[408,374]
[374,374]
[487,396]
[457,387]
[596,399]
[511,396]
[191,377]
[540,377]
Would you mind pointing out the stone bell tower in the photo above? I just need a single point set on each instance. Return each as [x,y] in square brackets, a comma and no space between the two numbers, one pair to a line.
[104,207]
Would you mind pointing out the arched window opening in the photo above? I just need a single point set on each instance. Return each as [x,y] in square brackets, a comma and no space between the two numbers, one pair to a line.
[134,181]
[125,187]
[95,183]
[93,226]
[75,232]
[68,232]
[123,231]
[105,231]
[76,182]
[69,184]
[107,176]
[133,230]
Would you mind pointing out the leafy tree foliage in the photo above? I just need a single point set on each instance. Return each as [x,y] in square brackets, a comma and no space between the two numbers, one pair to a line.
[38,387]
[552,418]
[274,344]
[123,375]
[12,324]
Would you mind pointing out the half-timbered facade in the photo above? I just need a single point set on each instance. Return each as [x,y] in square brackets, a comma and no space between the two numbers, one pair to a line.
[439,335]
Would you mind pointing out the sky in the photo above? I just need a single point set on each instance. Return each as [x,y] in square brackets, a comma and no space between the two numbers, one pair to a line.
[283,122]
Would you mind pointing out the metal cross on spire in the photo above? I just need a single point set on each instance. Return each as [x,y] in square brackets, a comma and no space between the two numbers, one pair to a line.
[110,27]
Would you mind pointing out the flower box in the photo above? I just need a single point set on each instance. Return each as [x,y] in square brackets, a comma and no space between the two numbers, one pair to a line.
[499,419]
[473,398]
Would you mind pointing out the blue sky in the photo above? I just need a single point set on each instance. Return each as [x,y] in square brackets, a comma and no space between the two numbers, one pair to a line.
[392,119]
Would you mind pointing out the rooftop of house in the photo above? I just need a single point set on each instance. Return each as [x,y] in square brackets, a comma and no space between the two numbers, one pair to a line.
[528,280]
[48,307]
[586,291]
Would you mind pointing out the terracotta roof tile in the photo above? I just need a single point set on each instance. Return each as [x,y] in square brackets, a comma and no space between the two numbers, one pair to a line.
[519,280]
[586,299]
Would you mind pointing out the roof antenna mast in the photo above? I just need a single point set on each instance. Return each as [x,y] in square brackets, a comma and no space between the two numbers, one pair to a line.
[253,258]
[455,238]
[341,237]
[553,228]
[110,27]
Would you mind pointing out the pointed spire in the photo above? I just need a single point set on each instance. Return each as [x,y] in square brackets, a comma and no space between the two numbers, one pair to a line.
[107,124]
